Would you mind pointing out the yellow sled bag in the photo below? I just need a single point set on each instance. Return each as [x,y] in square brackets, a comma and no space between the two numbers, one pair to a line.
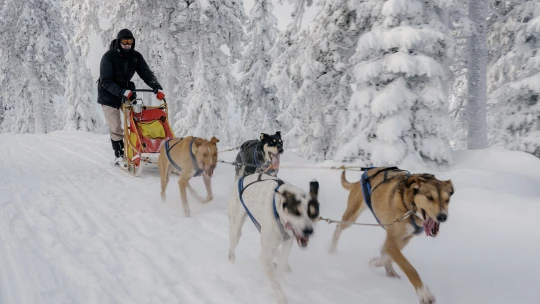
[153,129]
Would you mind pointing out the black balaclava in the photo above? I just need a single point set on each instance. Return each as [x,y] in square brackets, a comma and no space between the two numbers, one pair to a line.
[125,33]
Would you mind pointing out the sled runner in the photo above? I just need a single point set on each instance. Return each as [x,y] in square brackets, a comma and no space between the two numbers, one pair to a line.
[145,128]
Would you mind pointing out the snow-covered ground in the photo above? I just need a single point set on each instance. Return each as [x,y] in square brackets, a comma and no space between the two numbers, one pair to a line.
[75,229]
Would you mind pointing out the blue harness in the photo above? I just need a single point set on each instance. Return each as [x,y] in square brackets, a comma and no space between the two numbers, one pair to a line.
[366,191]
[198,171]
[241,190]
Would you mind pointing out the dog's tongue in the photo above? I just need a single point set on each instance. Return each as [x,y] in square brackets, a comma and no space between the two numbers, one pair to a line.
[430,227]
[275,161]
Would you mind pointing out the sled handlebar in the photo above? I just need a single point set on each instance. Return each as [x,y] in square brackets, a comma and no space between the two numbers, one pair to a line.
[146,90]
[143,90]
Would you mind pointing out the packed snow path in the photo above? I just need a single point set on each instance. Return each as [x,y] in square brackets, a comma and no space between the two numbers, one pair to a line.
[75,229]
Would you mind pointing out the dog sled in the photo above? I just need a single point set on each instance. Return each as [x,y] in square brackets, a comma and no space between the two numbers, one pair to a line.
[145,129]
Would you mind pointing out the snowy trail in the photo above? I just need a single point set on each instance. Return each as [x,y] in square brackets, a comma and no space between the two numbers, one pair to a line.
[75,229]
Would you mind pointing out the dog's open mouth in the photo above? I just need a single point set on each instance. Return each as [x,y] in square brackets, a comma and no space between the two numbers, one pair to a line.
[431,227]
[302,241]
[274,159]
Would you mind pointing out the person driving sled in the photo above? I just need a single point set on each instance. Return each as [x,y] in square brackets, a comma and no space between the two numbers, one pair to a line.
[118,65]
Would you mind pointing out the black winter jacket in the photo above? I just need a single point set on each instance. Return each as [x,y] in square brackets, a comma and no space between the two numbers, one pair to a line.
[116,70]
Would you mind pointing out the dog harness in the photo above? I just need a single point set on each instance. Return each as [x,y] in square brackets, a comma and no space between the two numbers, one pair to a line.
[241,190]
[198,171]
[259,167]
[367,191]
[255,156]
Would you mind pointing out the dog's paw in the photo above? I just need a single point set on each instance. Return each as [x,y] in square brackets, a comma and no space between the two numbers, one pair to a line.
[208,199]
[332,249]
[390,272]
[163,197]
[425,296]
[376,262]
[232,257]
[187,212]
[386,262]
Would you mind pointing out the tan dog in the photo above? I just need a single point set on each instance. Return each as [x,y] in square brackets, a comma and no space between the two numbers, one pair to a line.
[394,192]
[192,156]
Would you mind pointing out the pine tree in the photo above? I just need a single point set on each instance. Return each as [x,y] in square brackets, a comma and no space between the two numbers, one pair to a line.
[218,23]
[399,107]
[462,28]
[80,114]
[290,44]
[318,107]
[258,103]
[33,51]
[514,74]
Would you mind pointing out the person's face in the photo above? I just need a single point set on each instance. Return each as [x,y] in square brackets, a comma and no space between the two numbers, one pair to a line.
[126,43]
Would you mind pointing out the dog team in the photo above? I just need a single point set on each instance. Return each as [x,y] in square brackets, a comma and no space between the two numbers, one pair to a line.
[405,204]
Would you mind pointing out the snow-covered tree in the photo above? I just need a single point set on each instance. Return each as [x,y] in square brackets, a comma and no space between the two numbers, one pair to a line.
[217,44]
[258,103]
[33,54]
[399,108]
[80,114]
[462,28]
[289,45]
[318,107]
[514,76]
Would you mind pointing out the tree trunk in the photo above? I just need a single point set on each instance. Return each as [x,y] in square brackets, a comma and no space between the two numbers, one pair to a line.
[36,95]
[477,74]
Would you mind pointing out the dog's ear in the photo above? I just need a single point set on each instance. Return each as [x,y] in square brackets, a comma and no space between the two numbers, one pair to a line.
[278,134]
[413,182]
[264,136]
[313,209]
[314,189]
[450,186]
[214,140]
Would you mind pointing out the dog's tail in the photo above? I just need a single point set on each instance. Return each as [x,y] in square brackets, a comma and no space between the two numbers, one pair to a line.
[344,183]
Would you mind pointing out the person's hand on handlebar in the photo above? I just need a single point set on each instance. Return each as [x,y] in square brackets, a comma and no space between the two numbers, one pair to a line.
[129,95]
[159,94]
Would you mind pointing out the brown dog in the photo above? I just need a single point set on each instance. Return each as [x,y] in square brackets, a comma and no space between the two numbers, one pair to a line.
[192,156]
[394,192]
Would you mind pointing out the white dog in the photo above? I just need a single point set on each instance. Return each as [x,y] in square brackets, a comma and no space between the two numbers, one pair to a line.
[280,211]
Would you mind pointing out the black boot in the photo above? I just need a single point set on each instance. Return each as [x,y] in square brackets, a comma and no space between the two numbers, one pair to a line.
[121,146]
[118,147]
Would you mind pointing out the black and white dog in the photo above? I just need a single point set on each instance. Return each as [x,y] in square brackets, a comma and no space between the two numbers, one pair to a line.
[256,156]
[282,213]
